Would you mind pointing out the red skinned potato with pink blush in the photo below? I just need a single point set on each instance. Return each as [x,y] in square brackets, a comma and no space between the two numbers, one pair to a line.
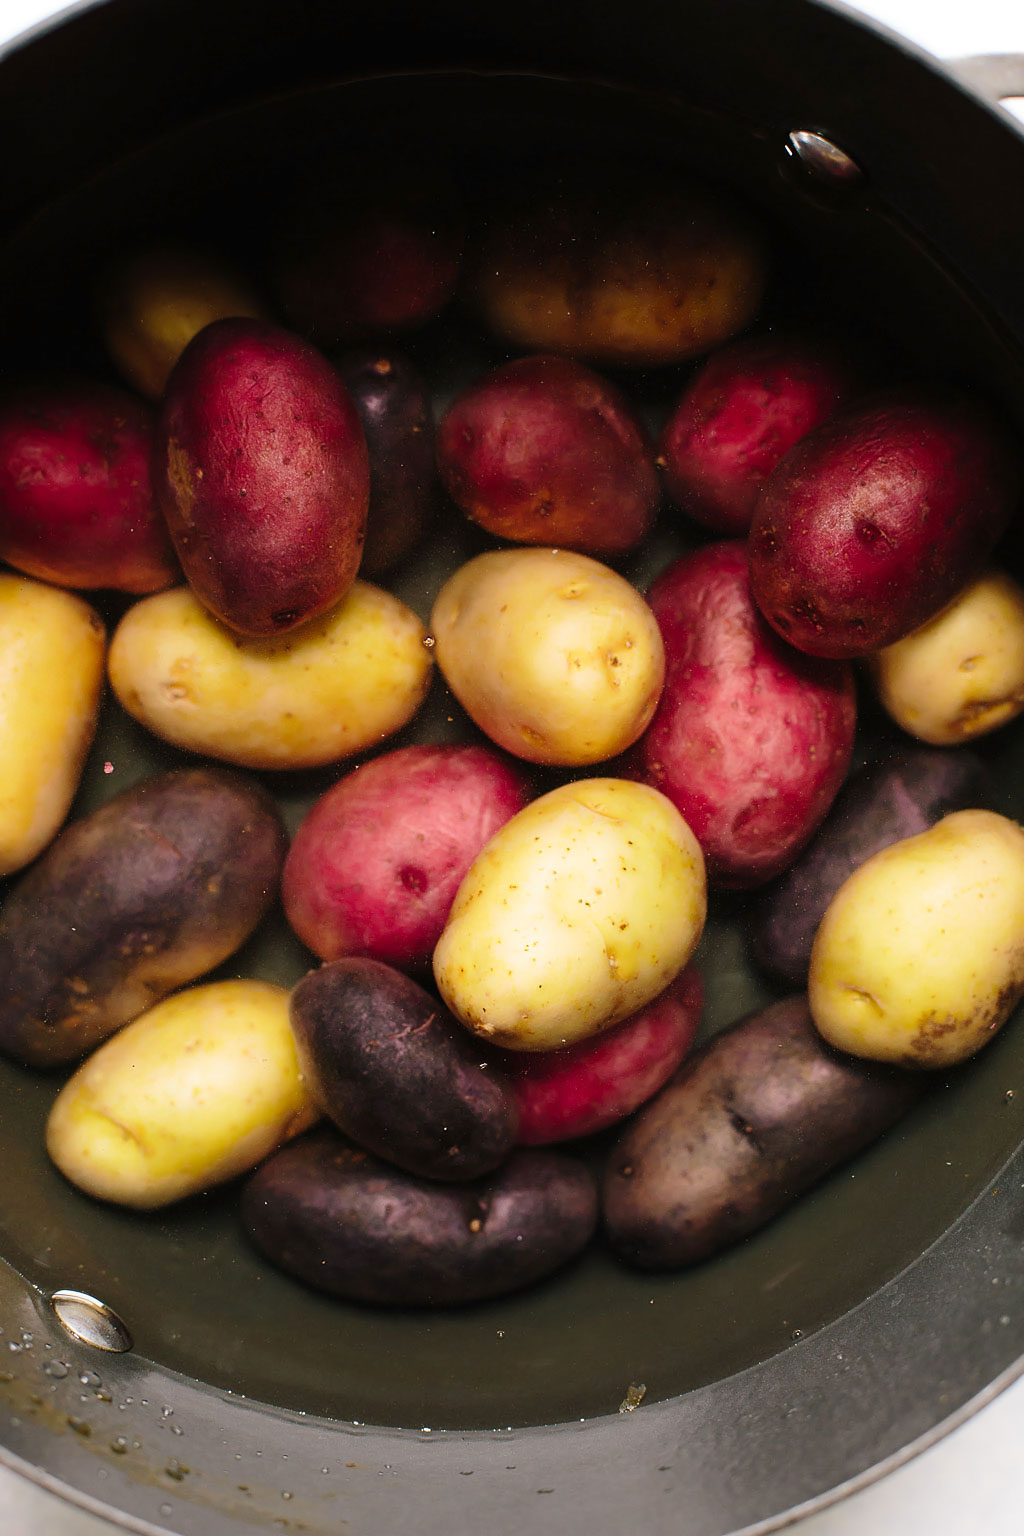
[875,520]
[584,1088]
[76,503]
[374,867]
[751,739]
[546,451]
[261,468]
[743,409]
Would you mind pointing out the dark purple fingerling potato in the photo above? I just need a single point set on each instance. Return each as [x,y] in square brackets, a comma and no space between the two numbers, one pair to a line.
[337,1218]
[390,1066]
[748,1123]
[904,794]
[876,519]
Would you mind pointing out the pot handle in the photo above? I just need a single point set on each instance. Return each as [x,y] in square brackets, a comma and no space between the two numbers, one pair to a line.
[996,76]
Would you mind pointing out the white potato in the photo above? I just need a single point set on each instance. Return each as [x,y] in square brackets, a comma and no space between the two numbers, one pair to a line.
[577,913]
[555,656]
[960,675]
[919,958]
[199,1089]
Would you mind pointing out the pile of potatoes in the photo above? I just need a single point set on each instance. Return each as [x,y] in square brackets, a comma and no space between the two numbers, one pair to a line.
[491,1053]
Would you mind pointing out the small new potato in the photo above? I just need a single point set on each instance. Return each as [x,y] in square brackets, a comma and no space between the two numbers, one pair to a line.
[555,656]
[338,685]
[196,1091]
[52,651]
[960,675]
[919,958]
[579,912]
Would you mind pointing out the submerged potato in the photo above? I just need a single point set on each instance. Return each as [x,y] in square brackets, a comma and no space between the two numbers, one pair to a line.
[576,914]
[919,958]
[551,653]
[338,685]
[52,649]
[198,1090]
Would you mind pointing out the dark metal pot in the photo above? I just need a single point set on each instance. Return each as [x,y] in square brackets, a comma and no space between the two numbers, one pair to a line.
[215,1396]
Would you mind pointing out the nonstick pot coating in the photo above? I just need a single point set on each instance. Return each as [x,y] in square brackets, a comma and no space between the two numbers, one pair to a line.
[865,1316]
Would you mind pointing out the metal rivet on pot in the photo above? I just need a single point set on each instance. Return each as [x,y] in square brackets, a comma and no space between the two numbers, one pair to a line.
[91,1321]
[822,159]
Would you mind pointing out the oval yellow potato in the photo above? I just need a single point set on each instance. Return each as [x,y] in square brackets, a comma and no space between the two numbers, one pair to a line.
[919,958]
[555,656]
[197,1090]
[52,650]
[335,686]
[960,675]
[578,912]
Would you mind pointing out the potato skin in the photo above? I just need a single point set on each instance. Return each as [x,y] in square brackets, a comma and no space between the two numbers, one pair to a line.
[395,1072]
[749,1122]
[337,1218]
[876,519]
[76,503]
[555,656]
[145,894]
[342,684]
[919,958]
[545,451]
[750,740]
[45,731]
[903,794]
[260,466]
[579,912]
[197,1090]
[374,866]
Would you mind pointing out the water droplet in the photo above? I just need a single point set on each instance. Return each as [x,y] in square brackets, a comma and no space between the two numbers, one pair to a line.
[119,1446]
[176,1429]
[14,1348]
[55,1368]
[797,1333]
[89,1379]
[325,1470]
[286,1495]
[166,1411]
[79,1426]
[165,1509]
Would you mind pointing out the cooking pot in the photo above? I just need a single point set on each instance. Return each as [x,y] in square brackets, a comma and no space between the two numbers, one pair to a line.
[156,1371]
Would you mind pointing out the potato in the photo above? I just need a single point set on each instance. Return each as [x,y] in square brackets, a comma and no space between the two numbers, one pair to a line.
[742,410]
[375,864]
[584,1088]
[617,268]
[545,451]
[579,912]
[150,891]
[338,1219]
[341,684]
[394,1071]
[52,651]
[919,958]
[154,299]
[758,1115]
[196,1091]
[906,792]
[260,467]
[961,675]
[876,519]
[557,658]
[751,739]
[76,502]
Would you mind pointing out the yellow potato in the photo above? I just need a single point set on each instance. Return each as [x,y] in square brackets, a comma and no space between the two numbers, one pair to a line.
[578,912]
[555,656]
[333,687]
[919,958]
[156,300]
[52,649]
[960,675]
[199,1089]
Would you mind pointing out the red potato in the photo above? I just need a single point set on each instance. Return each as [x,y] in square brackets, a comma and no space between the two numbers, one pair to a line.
[261,469]
[545,451]
[875,520]
[751,739]
[584,1088]
[743,409]
[76,504]
[375,865]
